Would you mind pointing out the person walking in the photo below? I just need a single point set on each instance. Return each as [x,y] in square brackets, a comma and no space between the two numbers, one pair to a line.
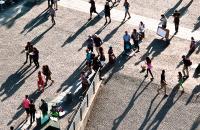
[135,37]
[163,21]
[26,106]
[111,56]
[55,4]
[102,57]
[180,81]
[127,44]
[98,42]
[90,43]
[30,54]
[192,45]
[126,6]
[11,128]
[52,14]
[36,57]
[46,71]
[40,82]
[44,107]
[163,83]
[141,30]
[107,12]
[32,111]
[187,63]
[176,16]
[92,9]
[149,67]
[27,51]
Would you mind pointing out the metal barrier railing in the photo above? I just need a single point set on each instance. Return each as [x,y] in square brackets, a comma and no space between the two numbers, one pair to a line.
[81,112]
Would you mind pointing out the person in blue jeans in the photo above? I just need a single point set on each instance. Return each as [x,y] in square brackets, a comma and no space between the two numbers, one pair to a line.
[126,6]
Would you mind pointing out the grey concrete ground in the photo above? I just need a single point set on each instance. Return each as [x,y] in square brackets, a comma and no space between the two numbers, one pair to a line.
[128,103]
[62,47]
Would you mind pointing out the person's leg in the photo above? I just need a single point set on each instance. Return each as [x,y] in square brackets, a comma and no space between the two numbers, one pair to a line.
[161,87]
[105,19]
[30,59]
[26,58]
[129,15]
[109,19]
[187,71]
[184,70]
[147,73]
[125,15]
[38,86]
[151,73]
[33,116]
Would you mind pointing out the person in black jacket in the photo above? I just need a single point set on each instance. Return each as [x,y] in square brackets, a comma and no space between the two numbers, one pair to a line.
[27,50]
[176,16]
[36,57]
[107,12]
[32,111]
[92,9]
[44,107]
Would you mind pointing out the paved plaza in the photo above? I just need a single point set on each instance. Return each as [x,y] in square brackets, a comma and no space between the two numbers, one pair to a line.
[62,47]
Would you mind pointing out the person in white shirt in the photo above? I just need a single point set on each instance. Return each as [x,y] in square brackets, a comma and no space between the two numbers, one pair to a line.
[142,30]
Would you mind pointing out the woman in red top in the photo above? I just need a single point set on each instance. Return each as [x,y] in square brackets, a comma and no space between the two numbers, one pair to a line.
[40,82]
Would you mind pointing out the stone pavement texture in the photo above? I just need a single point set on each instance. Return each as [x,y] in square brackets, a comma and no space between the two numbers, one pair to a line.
[62,47]
[127,103]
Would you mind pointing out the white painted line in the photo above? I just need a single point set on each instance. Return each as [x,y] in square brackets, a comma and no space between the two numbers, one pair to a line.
[118,15]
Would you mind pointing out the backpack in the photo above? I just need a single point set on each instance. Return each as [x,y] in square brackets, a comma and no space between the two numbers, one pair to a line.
[188,62]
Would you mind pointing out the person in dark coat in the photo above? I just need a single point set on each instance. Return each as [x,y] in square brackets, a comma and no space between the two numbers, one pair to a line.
[46,71]
[32,111]
[176,20]
[107,12]
[92,9]
[27,50]
[44,107]
[36,57]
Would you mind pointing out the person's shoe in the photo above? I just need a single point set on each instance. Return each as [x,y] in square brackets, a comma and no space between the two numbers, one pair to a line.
[165,96]
[89,19]
[182,92]
[109,22]
[25,62]
[129,17]
[137,51]
[152,78]
[146,76]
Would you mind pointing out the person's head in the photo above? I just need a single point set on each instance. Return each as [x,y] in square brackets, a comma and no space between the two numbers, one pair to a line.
[11,128]
[87,50]
[110,47]
[31,101]
[176,11]
[107,3]
[148,59]
[179,74]
[28,43]
[126,32]
[26,96]
[42,100]
[134,30]
[162,15]
[183,56]
[141,22]
[163,71]
[89,36]
[82,73]
[101,49]
[125,0]
[192,38]
[39,73]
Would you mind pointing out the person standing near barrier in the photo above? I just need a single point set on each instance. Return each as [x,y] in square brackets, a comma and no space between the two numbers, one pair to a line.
[186,63]
[149,68]
[135,37]
[32,111]
[107,12]
[163,83]
[176,16]
[26,106]
[92,9]
[126,6]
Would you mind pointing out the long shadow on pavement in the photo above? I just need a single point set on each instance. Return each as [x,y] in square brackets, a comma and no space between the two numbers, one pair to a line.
[170,11]
[150,114]
[80,30]
[16,12]
[40,19]
[15,81]
[197,24]
[155,48]
[195,91]
[171,101]
[72,78]
[38,38]
[196,124]
[135,96]
[184,9]
[110,70]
